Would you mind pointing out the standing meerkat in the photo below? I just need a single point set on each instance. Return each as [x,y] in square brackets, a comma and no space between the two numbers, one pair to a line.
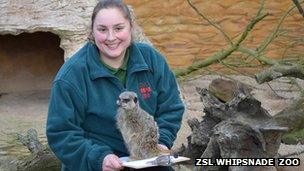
[138,128]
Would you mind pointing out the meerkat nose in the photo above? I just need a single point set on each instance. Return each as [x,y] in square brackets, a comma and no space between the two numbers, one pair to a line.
[118,103]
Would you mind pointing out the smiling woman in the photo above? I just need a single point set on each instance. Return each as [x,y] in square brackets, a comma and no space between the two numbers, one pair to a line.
[81,121]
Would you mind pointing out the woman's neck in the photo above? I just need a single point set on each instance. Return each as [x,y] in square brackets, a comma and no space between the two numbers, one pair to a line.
[113,62]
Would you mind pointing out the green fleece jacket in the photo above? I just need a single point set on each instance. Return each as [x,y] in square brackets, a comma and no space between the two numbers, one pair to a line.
[81,127]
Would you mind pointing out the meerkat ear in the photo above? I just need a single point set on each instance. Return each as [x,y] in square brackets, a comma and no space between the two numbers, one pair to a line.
[135,100]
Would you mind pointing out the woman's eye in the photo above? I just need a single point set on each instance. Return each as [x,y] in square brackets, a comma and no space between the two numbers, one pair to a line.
[118,29]
[102,29]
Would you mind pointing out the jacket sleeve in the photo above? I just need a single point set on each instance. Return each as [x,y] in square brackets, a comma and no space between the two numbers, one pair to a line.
[170,108]
[65,136]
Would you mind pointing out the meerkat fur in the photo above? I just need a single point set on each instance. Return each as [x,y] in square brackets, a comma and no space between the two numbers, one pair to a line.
[138,128]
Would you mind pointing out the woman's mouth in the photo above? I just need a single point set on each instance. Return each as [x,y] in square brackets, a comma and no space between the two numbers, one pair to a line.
[112,46]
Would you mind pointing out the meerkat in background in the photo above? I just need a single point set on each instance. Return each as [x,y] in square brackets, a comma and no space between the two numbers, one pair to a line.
[138,128]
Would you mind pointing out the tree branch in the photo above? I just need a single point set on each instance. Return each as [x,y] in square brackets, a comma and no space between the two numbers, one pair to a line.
[296,2]
[281,70]
[257,56]
[224,53]
[210,22]
[272,36]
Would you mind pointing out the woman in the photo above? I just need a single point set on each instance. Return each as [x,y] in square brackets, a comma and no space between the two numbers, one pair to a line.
[81,127]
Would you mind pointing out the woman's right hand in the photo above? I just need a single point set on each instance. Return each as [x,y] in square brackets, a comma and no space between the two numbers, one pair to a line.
[111,163]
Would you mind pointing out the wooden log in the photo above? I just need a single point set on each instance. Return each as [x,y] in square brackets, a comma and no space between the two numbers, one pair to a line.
[240,127]
[41,157]
[293,118]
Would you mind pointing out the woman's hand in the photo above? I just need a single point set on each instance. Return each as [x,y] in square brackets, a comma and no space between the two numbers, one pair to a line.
[111,163]
[163,148]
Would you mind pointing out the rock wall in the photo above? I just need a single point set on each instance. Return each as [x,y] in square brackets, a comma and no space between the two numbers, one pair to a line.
[67,19]
[183,36]
[172,26]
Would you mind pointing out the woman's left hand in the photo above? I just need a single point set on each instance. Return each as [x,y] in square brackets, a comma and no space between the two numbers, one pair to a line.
[163,148]
[111,163]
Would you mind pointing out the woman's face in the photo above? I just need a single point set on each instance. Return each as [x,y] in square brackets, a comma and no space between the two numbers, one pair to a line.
[112,33]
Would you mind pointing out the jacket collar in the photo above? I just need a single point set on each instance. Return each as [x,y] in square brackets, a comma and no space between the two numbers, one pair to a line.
[136,61]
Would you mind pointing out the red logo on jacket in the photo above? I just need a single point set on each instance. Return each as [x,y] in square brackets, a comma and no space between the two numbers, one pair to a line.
[145,90]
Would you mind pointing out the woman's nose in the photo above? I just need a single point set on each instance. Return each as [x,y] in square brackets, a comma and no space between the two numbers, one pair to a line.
[111,35]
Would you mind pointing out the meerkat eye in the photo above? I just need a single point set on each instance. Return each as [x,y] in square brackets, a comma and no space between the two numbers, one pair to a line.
[135,99]
[125,100]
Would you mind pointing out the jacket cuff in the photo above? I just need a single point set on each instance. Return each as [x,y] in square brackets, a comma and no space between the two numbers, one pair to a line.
[96,156]
[165,140]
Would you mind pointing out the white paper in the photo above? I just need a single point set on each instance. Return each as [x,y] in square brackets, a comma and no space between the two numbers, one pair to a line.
[139,164]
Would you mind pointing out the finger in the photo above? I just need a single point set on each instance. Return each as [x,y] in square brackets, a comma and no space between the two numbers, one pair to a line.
[162,147]
[116,163]
[107,168]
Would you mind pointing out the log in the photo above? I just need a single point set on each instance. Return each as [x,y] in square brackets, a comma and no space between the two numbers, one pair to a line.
[44,160]
[293,118]
[236,128]
[41,157]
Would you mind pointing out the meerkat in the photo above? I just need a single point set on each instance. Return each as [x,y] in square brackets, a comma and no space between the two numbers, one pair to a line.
[138,128]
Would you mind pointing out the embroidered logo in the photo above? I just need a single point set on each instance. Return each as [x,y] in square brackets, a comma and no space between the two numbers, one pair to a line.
[145,90]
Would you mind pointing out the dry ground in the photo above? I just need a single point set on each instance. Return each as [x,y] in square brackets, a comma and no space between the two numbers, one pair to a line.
[24,110]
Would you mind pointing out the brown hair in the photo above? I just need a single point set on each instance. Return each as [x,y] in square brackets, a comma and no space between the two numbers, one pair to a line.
[105,4]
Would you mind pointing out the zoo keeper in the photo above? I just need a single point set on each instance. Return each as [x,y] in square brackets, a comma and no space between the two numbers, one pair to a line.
[81,128]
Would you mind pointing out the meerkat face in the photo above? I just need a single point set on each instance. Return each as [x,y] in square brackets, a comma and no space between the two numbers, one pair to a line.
[127,100]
